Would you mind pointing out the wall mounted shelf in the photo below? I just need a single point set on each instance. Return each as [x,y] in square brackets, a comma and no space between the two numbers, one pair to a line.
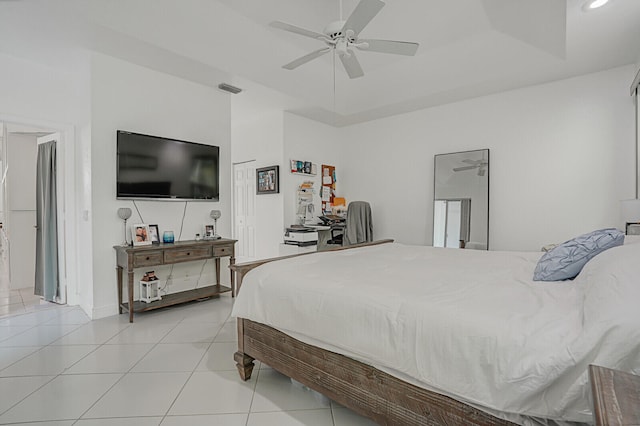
[306,168]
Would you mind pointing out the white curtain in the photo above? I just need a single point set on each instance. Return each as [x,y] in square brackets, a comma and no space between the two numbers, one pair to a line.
[47,282]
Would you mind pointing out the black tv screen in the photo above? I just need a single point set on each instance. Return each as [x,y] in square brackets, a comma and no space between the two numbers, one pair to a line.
[151,167]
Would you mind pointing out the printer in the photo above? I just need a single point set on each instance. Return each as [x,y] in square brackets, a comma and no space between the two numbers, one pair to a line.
[301,236]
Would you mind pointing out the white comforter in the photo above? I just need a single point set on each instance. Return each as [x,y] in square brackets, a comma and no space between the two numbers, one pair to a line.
[470,324]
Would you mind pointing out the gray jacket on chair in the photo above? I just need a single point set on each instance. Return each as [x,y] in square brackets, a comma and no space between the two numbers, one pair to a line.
[359,227]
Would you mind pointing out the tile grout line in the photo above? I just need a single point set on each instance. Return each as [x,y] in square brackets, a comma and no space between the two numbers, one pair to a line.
[53,377]
[123,375]
[192,372]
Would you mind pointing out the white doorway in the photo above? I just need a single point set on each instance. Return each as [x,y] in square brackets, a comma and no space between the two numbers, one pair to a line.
[18,206]
[244,210]
[451,222]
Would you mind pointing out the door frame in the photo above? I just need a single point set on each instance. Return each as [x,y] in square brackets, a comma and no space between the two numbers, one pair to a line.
[67,201]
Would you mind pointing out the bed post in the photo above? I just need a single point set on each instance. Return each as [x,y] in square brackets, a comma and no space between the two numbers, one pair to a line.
[244,362]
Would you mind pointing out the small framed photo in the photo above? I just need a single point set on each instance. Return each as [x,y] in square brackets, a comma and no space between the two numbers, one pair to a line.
[209,232]
[140,235]
[267,180]
[154,234]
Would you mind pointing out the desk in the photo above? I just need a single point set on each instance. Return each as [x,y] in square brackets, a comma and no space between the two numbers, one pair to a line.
[325,233]
[129,258]
[616,396]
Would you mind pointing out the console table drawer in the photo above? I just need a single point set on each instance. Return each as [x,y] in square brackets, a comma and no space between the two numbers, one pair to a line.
[187,254]
[222,251]
[150,258]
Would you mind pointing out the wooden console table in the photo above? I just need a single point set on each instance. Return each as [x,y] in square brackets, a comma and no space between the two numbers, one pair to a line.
[129,258]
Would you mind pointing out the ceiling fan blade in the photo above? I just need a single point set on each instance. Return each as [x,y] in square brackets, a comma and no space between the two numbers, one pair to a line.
[306,58]
[468,161]
[352,65]
[461,169]
[296,30]
[390,46]
[364,12]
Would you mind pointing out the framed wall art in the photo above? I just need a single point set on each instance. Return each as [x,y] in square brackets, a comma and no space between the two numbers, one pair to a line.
[267,180]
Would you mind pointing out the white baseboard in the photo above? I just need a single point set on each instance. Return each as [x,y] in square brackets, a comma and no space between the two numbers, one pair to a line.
[104,311]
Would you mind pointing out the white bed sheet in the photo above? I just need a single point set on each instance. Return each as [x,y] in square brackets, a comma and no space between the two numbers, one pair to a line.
[471,324]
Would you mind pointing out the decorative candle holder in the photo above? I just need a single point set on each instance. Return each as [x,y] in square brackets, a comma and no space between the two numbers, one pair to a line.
[167,237]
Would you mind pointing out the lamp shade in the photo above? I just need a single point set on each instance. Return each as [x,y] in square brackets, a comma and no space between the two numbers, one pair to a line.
[631,210]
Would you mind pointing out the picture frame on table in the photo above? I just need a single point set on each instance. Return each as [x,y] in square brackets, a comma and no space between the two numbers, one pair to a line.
[140,234]
[268,180]
[209,232]
[154,234]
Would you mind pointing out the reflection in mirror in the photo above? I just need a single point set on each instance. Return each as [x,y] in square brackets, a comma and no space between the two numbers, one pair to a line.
[461,200]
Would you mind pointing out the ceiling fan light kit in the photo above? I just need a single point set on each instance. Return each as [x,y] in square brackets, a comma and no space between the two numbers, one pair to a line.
[343,36]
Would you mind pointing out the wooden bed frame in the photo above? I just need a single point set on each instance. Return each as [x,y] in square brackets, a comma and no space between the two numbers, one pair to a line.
[368,391]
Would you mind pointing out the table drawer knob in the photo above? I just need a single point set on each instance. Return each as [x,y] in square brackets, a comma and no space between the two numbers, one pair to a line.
[148,258]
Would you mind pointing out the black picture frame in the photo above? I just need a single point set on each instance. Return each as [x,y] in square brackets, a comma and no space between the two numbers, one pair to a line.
[268,180]
[155,234]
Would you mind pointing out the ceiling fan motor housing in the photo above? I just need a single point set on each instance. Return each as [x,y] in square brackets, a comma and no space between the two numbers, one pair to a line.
[334,29]
[341,36]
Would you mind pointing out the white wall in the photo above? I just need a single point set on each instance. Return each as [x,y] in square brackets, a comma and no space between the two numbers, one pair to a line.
[257,134]
[130,97]
[561,159]
[261,131]
[308,140]
[35,94]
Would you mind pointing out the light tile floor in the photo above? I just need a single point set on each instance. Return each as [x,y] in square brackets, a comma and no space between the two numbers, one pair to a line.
[20,301]
[170,367]
[15,301]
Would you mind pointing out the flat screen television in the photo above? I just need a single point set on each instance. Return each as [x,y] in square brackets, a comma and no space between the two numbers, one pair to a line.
[156,168]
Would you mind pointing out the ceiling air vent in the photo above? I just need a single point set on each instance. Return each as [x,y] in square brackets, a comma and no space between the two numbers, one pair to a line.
[229,88]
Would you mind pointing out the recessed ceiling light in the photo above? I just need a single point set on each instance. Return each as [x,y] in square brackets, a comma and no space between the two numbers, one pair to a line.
[594,4]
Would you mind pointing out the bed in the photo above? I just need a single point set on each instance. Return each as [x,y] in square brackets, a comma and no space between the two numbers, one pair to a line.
[420,335]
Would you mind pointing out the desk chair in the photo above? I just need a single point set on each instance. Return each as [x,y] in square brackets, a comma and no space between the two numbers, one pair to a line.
[358,226]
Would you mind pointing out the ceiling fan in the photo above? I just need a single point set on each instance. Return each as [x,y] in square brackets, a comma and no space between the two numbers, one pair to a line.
[342,36]
[481,165]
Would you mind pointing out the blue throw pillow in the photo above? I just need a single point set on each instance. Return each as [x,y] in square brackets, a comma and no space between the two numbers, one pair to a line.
[565,261]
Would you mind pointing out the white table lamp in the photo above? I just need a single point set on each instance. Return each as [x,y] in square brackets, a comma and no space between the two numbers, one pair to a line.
[215,215]
[124,213]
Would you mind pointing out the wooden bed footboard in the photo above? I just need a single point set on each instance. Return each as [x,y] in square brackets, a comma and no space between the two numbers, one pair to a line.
[373,393]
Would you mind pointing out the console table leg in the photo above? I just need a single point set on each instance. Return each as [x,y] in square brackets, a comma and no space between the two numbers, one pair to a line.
[130,296]
[218,271]
[232,261]
[119,276]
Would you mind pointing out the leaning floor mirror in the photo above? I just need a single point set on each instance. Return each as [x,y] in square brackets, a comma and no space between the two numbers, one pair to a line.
[461,200]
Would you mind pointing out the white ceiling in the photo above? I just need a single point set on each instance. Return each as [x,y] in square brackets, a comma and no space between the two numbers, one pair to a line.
[468,48]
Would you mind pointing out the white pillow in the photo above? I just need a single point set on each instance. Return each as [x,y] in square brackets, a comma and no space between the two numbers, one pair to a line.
[611,283]
[632,239]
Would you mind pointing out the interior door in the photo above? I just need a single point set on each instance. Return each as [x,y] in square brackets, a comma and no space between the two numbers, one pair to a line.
[21,208]
[244,212]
